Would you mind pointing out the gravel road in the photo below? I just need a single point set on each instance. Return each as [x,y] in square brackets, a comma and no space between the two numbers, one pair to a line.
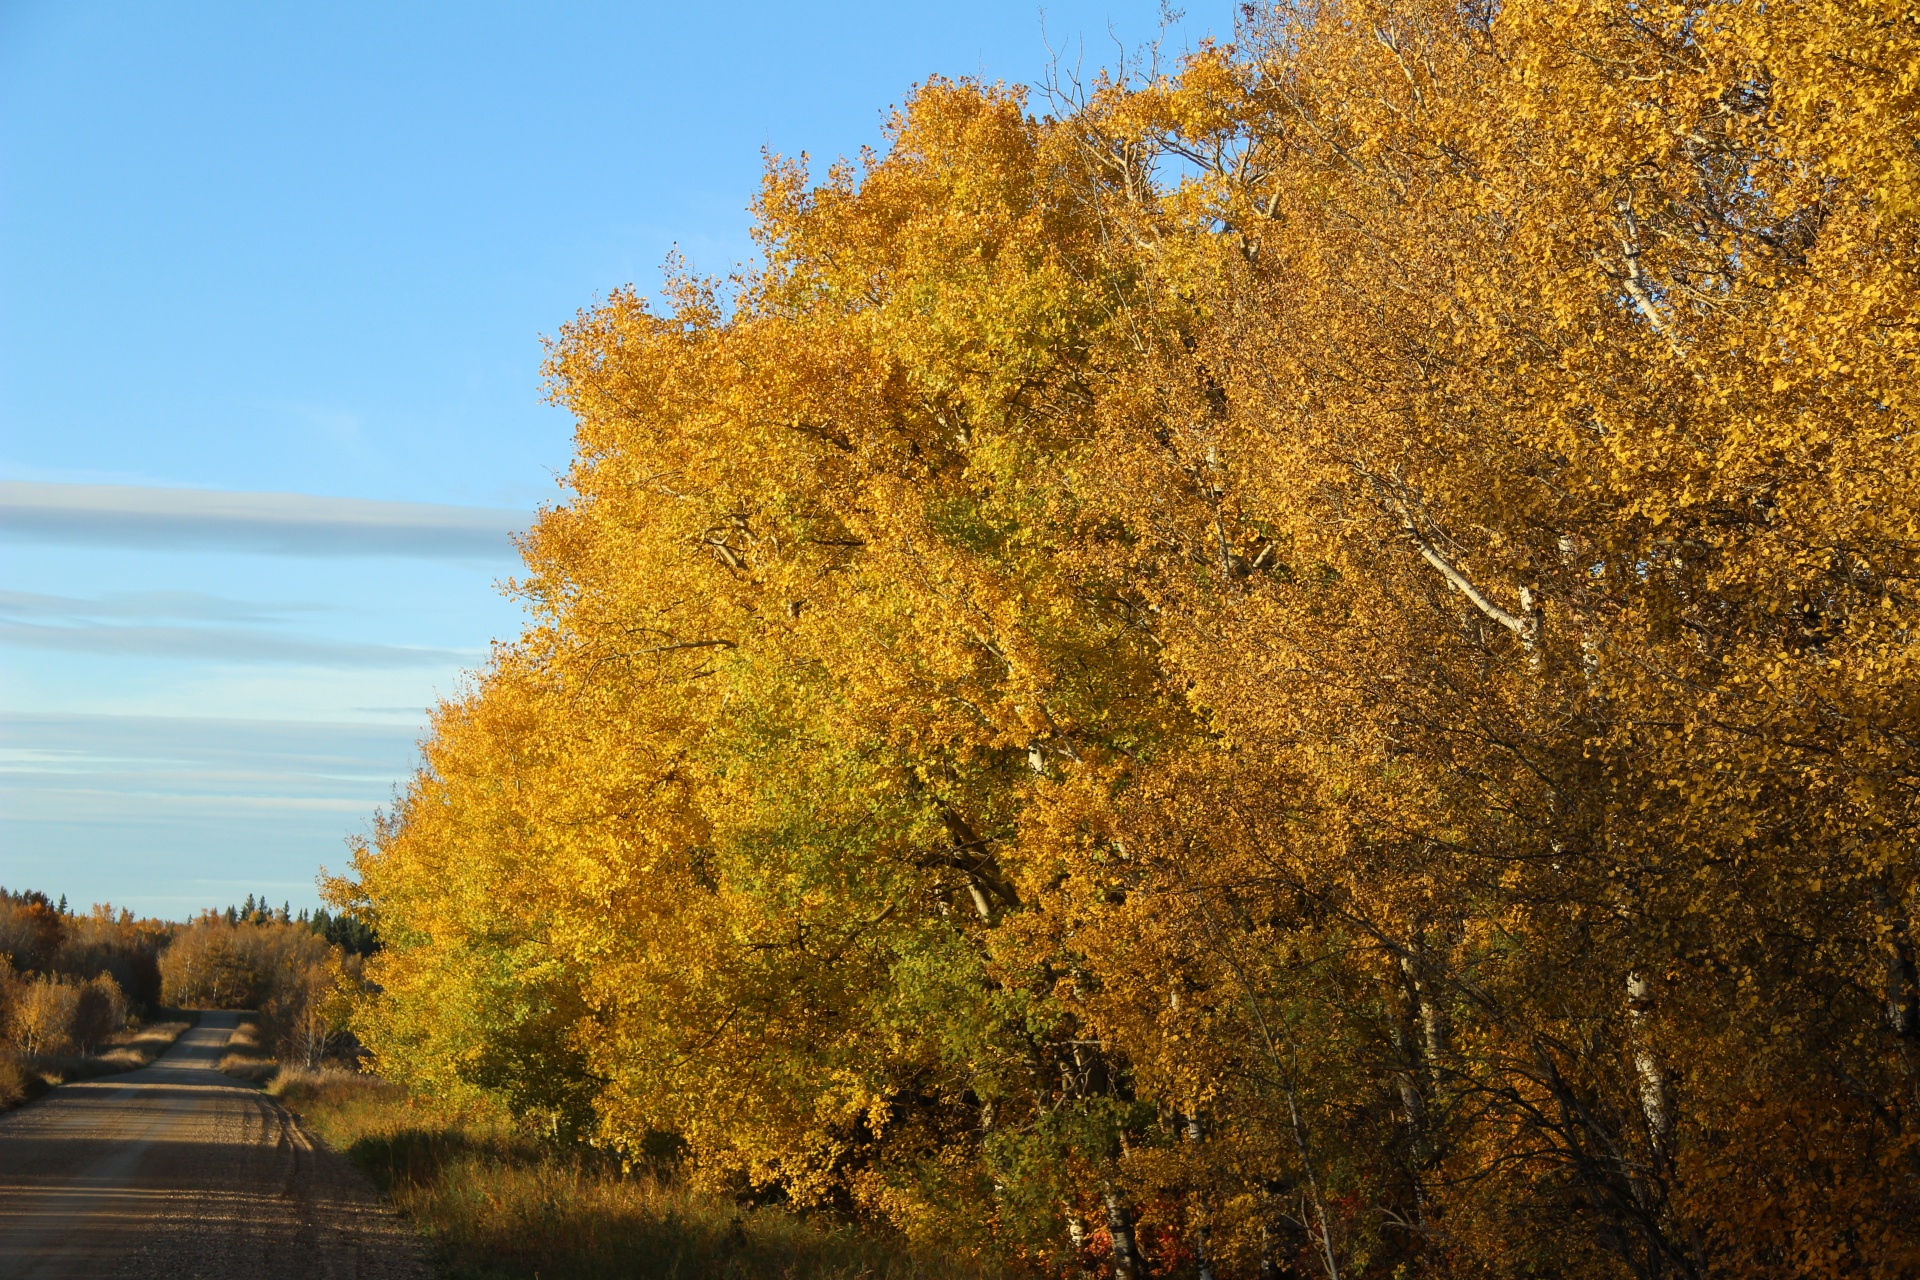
[177,1171]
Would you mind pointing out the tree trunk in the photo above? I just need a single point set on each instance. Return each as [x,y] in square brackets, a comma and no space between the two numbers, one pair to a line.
[1903,984]
[1126,1250]
[1077,1238]
[1435,1028]
[1656,1097]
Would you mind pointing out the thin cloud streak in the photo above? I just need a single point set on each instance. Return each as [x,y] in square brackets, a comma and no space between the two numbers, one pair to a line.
[332,753]
[228,644]
[287,524]
[100,805]
[193,606]
[244,802]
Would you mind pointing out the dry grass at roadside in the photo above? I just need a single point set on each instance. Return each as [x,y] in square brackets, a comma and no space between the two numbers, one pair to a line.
[246,1057]
[496,1206]
[24,1077]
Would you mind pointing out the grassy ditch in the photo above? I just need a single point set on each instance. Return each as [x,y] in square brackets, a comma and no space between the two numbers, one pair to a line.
[25,1076]
[497,1205]
[248,1057]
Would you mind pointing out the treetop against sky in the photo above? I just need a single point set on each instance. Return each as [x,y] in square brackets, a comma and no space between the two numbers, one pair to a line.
[308,253]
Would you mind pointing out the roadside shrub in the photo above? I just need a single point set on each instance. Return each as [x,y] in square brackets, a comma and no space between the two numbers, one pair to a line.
[55,1015]
[14,1080]
[43,1016]
[99,1011]
[10,984]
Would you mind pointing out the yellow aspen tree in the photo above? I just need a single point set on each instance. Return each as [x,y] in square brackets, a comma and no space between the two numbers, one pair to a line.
[1304,665]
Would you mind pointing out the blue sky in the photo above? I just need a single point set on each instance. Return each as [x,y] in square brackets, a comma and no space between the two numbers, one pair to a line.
[272,285]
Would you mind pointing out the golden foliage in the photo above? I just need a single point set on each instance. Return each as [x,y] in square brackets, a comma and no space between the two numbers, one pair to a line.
[1303,664]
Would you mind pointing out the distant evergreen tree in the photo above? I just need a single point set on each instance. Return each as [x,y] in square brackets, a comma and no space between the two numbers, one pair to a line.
[345,932]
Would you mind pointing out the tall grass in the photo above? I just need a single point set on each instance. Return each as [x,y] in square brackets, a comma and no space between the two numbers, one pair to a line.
[497,1205]
[246,1058]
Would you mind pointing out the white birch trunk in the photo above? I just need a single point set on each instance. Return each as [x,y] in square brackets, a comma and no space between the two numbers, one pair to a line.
[1656,1097]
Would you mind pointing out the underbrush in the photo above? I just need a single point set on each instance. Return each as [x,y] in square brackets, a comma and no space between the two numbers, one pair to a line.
[25,1076]
[497,1205]
[15,1081]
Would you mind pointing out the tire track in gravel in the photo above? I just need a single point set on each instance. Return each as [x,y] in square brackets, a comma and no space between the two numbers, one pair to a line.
[178,1171]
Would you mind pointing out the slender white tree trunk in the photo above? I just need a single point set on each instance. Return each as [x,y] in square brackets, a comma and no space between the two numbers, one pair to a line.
[1656,1096]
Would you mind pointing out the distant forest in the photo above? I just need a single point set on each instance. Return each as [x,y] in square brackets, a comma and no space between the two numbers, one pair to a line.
[341,931]
[71,981]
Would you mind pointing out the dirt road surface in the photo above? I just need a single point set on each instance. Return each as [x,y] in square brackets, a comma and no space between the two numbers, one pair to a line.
[177,1171]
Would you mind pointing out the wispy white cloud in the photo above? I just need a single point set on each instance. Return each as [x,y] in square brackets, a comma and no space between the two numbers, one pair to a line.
[263,523]
[195,753]
[103,805]
[172,808]
[191,606]
[226,644]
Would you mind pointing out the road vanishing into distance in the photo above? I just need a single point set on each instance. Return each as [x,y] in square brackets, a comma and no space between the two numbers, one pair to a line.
[178,1171]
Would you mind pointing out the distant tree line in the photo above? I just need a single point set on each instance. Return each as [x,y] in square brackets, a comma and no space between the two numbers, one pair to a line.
[40,937]
[68,981]
[341,930]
